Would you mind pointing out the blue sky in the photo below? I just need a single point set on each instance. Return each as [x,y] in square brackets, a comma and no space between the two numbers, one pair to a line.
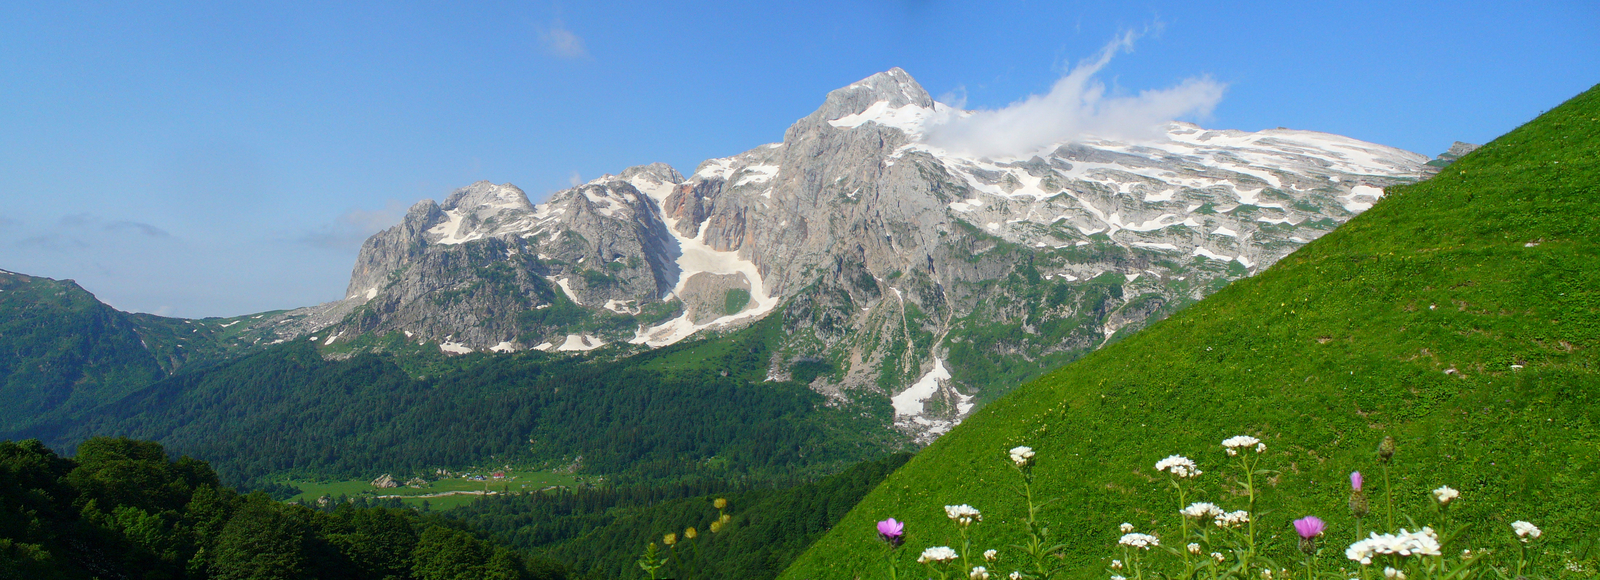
[215,159]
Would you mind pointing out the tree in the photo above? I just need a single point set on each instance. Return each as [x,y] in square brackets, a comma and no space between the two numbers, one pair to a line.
[263,541]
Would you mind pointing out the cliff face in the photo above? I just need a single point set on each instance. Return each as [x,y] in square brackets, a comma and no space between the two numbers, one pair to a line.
[900,270]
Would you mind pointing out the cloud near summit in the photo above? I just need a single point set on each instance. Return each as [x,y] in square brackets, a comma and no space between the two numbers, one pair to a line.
[1076,107]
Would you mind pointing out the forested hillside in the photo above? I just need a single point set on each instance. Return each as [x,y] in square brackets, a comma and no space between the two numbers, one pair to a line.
[1460,316]
[122,509]
[63,352]
[599,533]
[700,409]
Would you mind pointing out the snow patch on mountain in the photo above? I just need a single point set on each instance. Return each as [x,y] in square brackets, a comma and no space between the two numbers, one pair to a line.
[696,257]
[909,402]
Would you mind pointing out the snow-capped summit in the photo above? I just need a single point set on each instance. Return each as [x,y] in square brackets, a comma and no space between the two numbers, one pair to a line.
[907,268]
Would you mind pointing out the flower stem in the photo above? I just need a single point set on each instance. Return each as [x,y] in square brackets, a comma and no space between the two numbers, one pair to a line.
[1250,486]
[1388,492]
[1183,525]
[966,548]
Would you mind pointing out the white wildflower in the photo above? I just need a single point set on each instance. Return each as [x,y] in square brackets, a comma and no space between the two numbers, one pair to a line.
[1393,574]
[1201,509]
[1266,574]
[1525,530]
[1015,575]
[1116,564]
[1142,541]
[1217,556]
[1116,577]
[1423,542]
[1232,519]
[1194,548]
[1179,466]
[1237,442]
[940,554]
[991,555]
[1125,527]
[1444,494]
[1022,455]
[963,515]
[978,573]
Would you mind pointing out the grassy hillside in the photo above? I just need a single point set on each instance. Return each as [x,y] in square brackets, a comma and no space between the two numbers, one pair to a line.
[63,351]
[1459,316]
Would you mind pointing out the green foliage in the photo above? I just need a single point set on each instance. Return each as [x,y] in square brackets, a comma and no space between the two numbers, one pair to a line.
[599,532]
[63,350]
[735,300]
[121,509]
[696,408]
[804,371]
[446,554]
[1459,315]
[598,279]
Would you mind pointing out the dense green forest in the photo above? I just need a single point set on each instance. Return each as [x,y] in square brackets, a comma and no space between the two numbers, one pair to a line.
[121,508]
[700,409]
[599,533]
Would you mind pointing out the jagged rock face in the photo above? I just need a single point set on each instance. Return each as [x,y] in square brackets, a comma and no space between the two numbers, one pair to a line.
[469,272]
[902,269]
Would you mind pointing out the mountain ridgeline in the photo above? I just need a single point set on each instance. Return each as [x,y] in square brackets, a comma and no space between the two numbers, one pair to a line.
[1460,316]
[64,353]
[901,284]
[900,271]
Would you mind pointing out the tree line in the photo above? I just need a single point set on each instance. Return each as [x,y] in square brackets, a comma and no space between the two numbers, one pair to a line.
[120,508]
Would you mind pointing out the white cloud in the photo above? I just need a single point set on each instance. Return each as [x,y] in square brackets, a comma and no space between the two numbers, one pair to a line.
[575,179]
[350,230]
[1076,107]
[562,42]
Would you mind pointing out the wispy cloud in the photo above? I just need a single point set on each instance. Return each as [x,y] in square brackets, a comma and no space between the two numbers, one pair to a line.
[53,242]
[84,230]
[136,227]
[575,179]
[350,229]
[560,41]
[1077,106]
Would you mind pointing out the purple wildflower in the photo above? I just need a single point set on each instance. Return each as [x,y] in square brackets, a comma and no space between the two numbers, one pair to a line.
[1355,480]
[1309,526]
[892,532]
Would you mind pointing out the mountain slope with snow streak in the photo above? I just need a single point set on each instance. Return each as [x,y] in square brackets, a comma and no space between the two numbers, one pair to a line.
[902,270]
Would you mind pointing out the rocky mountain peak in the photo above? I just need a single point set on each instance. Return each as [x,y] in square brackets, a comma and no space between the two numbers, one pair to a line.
[907,268]
[484,194]
[893,88]
[655,172]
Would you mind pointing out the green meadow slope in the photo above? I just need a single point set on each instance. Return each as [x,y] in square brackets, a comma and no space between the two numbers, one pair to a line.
[1459,315]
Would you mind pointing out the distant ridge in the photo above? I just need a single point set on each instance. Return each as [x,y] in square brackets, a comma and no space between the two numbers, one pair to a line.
[1460,315]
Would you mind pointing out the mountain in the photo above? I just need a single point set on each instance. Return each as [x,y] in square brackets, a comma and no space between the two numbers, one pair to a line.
[63,352]
[900,270]
[1460,316]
